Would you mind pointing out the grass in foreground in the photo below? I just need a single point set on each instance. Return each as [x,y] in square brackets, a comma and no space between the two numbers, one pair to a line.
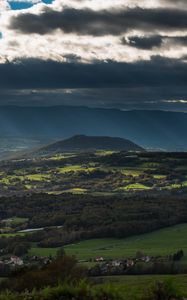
[134,287]
[118,288]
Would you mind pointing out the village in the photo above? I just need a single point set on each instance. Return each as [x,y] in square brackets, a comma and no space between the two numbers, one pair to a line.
[10,263]
[102,266]
[105,267]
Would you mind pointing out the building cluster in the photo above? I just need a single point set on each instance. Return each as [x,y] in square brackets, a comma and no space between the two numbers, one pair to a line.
[9,263]
[117,266]
[123,266]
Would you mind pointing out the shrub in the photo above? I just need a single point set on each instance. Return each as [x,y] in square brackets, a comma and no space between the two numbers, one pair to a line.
[67,291]
[166,290]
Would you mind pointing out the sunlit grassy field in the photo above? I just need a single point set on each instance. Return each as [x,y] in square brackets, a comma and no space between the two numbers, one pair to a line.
[162,242]
[134,186]
[12,234]
[135,173]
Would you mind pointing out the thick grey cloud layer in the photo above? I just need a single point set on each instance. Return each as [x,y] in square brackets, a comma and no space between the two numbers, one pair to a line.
[145,43]
[149,42]
[98,23]
[144,84]
[33,73]
[95,53]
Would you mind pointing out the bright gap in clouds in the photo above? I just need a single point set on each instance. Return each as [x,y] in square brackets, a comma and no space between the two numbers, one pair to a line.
[18,5]
[48,1]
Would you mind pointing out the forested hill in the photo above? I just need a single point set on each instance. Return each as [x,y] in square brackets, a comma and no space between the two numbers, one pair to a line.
[150,129]
[83,142]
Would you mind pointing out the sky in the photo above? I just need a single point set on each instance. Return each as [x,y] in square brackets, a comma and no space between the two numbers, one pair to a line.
[125,54]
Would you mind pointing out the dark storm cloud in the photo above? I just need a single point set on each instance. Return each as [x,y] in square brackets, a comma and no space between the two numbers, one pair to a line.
[149,42]
[145,43]
[101,22]
[34,73]
[180,39]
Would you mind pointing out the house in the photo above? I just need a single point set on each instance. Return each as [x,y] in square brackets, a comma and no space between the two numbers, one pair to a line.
[99,259]
[129,263]
[116,263]
[147,259]
[16,261]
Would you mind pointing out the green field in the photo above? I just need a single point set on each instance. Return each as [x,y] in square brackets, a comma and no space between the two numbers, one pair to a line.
[135,186]
[103,171]
[43,251]
[18,221]
[74,168]
[162,242]
[12,234]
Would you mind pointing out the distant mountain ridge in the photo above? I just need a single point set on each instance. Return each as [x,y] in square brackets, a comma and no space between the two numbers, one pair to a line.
[150,129]
[86,143]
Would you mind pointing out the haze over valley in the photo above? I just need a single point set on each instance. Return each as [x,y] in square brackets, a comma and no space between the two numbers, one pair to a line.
[24,128]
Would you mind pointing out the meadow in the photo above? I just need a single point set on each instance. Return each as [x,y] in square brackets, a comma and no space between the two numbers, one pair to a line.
[161,242]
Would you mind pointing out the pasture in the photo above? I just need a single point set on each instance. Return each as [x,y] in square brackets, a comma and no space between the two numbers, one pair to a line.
[161,242]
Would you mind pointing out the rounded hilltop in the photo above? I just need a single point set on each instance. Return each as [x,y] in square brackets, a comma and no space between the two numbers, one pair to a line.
[87,143]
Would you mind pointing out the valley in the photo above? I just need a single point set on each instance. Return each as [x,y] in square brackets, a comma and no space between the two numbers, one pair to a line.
[93,150]
[119,213]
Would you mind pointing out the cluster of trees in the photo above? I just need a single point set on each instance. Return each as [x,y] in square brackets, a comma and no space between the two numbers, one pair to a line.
[178,255]
[63,268]
[68,291]
[83,217]
[14,245]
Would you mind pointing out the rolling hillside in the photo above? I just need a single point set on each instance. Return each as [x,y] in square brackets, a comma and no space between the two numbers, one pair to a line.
[161,242]
[86,143]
